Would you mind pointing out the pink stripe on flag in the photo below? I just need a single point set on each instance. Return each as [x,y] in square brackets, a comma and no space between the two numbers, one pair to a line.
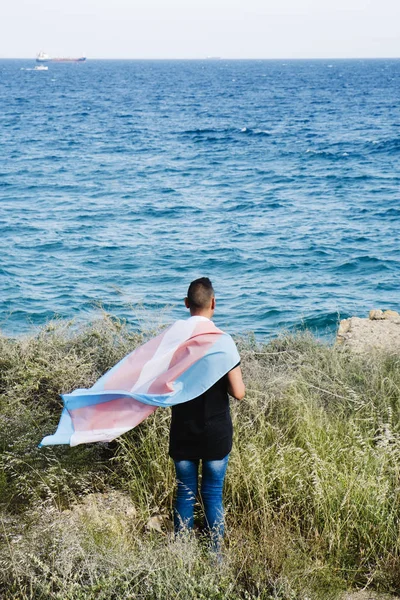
[125,377]
[186,355]
[115,414]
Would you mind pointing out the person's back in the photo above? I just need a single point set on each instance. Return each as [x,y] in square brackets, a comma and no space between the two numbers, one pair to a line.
[202,428]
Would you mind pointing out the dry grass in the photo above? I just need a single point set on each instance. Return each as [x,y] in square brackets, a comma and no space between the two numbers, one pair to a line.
[312,490]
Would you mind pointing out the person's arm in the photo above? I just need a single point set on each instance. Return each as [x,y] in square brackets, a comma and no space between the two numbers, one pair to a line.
[235,383]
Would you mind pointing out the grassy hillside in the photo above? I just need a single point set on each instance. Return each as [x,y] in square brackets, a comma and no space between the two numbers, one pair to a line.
[312,491]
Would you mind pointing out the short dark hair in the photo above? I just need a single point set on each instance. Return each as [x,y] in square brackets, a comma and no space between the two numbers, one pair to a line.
[200,293]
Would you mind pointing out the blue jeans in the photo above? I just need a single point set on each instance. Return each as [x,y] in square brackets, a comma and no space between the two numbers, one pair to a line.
[212,483]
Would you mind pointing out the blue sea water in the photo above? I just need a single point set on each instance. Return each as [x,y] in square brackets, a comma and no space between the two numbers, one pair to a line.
[121,181]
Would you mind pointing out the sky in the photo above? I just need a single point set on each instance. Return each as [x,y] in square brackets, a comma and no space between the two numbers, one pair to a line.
[197,29]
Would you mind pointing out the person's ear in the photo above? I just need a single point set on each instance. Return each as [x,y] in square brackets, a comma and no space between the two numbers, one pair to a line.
[212,303]
[187,302]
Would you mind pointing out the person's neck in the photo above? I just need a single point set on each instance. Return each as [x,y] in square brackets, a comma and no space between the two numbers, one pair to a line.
[202,313]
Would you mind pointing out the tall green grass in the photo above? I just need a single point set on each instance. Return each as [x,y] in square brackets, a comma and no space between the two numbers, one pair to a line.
[312,493]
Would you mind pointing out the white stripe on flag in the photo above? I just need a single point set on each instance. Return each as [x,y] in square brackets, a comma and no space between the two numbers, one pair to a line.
[176,335]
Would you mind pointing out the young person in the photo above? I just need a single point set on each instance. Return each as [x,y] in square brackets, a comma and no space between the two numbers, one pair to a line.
[201,430]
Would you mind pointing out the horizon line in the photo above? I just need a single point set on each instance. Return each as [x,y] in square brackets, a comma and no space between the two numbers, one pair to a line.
[220,58]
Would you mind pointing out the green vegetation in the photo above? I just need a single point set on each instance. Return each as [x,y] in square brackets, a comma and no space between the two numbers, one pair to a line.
[312,492]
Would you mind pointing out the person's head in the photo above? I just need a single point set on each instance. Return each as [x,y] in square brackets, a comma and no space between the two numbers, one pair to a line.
[200,299]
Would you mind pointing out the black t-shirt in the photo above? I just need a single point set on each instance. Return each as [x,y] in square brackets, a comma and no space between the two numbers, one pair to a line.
[202,427]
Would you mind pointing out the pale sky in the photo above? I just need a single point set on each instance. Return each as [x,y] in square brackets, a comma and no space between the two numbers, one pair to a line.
[200,28]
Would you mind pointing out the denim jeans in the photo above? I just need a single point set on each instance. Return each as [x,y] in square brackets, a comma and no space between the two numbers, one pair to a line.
[212,483]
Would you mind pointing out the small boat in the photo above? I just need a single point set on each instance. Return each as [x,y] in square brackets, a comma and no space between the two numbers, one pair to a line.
[41,68]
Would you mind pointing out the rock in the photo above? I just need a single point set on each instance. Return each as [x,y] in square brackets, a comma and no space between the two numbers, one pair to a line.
[391,314]
[343,329]
[155,523]
[376,315]
[381,331]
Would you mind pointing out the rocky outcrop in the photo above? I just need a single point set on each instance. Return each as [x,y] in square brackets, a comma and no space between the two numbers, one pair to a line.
[380,331]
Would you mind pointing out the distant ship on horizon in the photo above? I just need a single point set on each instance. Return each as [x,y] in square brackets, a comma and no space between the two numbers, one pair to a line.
[43,57]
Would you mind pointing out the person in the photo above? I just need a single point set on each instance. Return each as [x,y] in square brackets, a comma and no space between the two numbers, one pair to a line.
[201,430]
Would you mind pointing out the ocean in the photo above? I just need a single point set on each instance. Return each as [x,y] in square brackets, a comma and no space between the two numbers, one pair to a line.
[121,181]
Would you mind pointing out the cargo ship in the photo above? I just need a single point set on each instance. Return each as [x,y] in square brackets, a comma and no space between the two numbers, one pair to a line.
[43,57]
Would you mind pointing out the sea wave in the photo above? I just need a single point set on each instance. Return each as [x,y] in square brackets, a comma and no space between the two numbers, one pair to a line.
[367,264]
[389,146]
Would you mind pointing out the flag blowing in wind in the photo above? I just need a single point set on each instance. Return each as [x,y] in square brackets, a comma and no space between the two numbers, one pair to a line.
[178,365]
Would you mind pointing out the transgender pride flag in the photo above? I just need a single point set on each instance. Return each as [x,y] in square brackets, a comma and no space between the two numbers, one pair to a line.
[178,365]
